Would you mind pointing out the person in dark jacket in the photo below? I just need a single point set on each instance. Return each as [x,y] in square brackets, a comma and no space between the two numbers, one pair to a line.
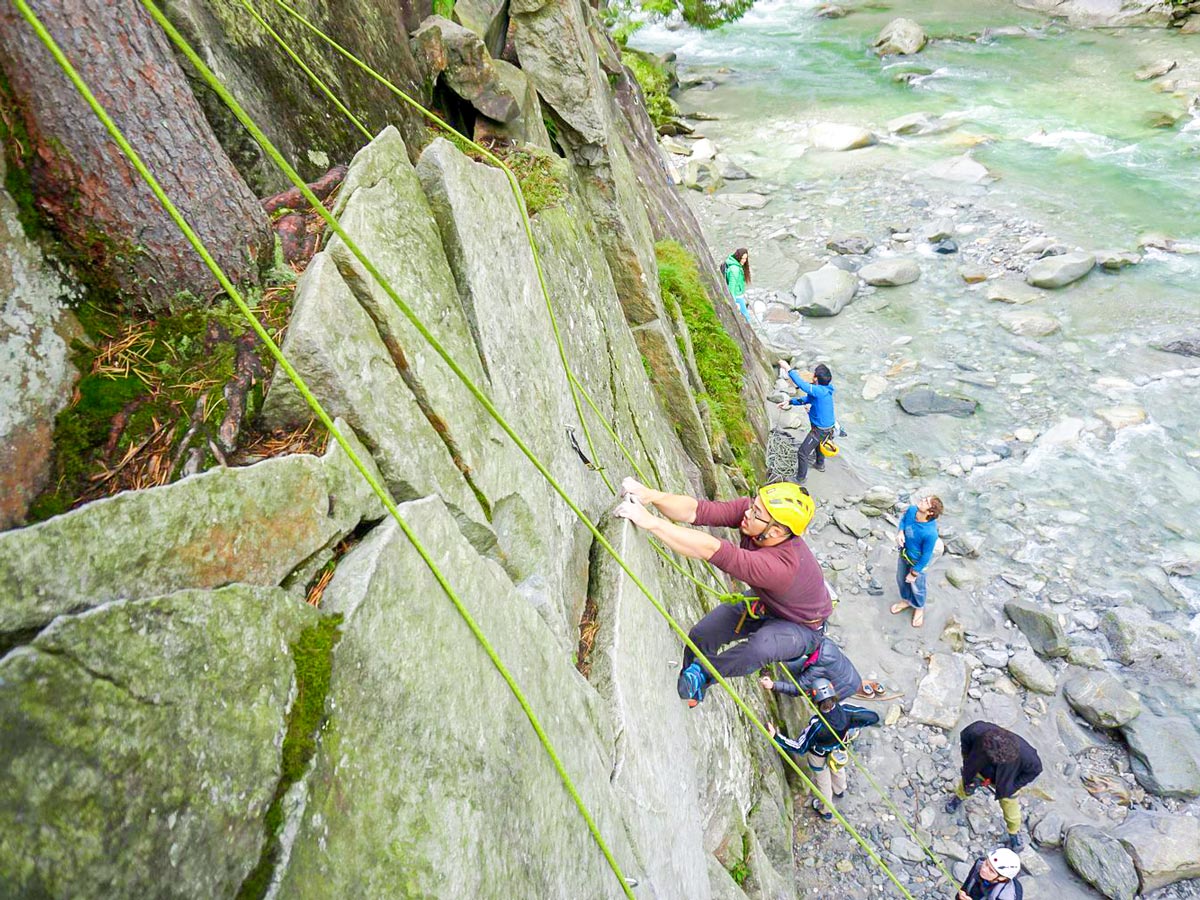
[824,659]
[993,878]
[995,757]
[822,743]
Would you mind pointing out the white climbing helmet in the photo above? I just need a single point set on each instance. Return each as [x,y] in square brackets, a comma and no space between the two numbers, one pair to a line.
[1006,863]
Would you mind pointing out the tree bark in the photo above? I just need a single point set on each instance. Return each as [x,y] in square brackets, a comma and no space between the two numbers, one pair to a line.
[81,182]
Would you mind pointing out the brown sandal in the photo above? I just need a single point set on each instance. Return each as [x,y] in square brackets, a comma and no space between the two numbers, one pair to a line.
[918,618]
[900,607]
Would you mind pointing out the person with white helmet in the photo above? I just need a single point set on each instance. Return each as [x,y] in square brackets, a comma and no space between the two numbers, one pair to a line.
[822,740]
[993,878]
[790,599]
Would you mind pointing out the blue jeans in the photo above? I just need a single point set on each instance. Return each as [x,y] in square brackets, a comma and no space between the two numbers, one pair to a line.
[914,593]
[740,300]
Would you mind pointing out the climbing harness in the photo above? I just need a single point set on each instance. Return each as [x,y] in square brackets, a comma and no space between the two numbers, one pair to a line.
[755,609]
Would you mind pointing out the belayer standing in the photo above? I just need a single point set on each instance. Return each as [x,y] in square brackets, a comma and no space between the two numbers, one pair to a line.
[817,394]
[790,599]
[737,276]
[995,757]
[822,742]
[916,536]
[993,878]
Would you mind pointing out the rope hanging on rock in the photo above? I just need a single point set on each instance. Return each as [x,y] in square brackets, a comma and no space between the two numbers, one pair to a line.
[384,497]
[283,165]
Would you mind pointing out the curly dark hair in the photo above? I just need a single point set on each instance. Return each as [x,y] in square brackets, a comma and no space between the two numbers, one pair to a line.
[1001,746]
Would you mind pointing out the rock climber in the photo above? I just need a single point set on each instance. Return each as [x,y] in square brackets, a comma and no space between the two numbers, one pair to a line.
[916,536]
[737,276]
[790,600]
[822,741]
[995,757]
[817,394]
[823,660]
[993,878]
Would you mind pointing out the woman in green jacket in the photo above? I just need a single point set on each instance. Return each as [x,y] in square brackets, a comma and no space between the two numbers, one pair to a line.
[737,276]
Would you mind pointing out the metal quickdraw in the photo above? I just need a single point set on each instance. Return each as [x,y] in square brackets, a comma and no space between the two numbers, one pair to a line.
[579,451]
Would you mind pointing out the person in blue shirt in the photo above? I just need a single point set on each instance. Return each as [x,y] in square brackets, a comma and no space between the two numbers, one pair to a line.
[916,538]
[816,392]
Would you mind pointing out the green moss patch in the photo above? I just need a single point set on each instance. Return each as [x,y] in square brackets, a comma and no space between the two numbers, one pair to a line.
[312,654]
[718,357]
[701,13]
[655,84]
[143,380]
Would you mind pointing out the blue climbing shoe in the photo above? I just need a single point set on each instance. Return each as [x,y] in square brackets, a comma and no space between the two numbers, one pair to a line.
[819,809]
[692,682]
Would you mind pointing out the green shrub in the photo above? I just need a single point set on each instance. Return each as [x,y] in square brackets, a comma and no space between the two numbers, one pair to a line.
[718,357]
[655,83]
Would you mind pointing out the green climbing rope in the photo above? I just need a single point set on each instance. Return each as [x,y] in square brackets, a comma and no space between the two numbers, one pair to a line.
[862,767]
[482,398]
[139,165]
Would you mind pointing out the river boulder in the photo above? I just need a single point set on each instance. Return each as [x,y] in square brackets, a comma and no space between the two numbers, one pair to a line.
[900,37]
[1040,625]
[851,245]
[1102,862]
[890,272]
[1101,699]
[1122,416]
[1165,848]
[1187,346]
[825,292]
[942,692]
[928,402]
[702,175]
[1165,754]
[959,169]
[1030,324]
[1059,271]
[1028,669]
[834,137]
[1010,290]
[1141,641]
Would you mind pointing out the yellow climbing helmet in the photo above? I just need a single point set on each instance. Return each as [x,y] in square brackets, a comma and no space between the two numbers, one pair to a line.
[789,505]
[829,448]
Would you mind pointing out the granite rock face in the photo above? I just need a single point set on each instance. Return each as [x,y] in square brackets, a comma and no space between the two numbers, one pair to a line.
[252,525]
[142,742]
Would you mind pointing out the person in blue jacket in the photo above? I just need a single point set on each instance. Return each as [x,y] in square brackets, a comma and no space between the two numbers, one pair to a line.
[816,392]
[822,741]
[916,537]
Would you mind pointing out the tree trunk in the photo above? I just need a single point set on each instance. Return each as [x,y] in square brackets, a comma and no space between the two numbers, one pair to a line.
[81,182]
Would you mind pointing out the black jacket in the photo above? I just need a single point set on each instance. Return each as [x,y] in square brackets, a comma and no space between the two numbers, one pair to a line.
[819,740]
[978,889]
[1006,778]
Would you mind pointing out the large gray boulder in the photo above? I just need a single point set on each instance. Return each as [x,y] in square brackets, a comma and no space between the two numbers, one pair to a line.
[1030,324]
[1103,13]
[1165,848]
[458,56]
[1010,290]
[824,292]
[1040,625]
[942,692]
[142,744]
[852,522]
[1059,271]
[959,170]
[1187,346]
[1101,861]
[900,37]
[1101,699]
[1142,642]
[1028,669]
[928,402]
[890,272]
[835,137]
[252,525]
[1164,754]
[36,375]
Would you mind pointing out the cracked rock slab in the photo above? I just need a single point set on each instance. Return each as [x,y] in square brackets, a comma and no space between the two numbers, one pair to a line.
[142,742]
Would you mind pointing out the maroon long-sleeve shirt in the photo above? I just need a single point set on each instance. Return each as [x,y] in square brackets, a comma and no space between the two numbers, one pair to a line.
[786,577]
